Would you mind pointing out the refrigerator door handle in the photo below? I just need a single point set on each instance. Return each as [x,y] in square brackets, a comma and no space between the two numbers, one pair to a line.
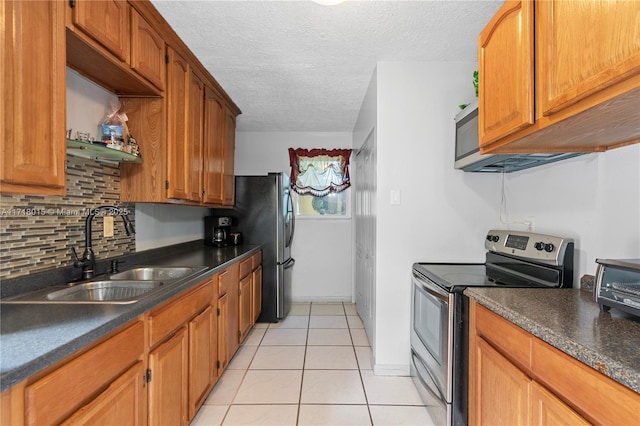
[288,263]
[292,217]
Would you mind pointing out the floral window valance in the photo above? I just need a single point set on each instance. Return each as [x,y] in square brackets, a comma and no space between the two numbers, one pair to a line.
[319,172]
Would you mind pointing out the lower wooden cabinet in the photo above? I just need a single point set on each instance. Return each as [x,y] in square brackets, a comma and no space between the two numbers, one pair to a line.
[547,409]
[201,359]
[157,370]
[256,293]
[502,392]
[223,331]
[57,395]
[516,378]
[244,311]
[169,381]
[122,403]
[228,284]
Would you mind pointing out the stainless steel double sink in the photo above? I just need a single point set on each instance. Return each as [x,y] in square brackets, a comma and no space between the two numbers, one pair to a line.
[120,288]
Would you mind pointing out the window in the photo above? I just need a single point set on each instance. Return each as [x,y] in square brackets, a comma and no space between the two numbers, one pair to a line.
[320,177]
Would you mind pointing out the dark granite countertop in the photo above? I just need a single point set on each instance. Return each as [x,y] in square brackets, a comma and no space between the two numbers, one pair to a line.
[35,336]
[571,321]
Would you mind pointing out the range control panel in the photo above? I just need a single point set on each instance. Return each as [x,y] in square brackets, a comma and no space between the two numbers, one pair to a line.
[529,245]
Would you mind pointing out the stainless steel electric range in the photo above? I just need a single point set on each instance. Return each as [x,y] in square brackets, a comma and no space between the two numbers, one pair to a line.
[440,329]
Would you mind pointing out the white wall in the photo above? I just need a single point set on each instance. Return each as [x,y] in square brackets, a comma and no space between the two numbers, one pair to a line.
[87,104]
[445,213]
[595,199]
[317,242]
[159,225]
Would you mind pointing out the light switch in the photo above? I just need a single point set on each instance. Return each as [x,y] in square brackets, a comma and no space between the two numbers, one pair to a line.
[395,197]
[107,224]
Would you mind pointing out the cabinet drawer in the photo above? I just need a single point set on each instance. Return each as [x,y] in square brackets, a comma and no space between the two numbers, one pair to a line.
[246,266]
[589,392]
[510,339]
[228,279]
[170,317]
[55,396]
[257,259]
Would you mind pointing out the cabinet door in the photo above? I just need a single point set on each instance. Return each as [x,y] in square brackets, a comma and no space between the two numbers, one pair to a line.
[33,87]
[256,294]
[122,403]
[194,142]
[214,119]
[168,388]
[501,391]
[178,82]
[107,22]
[582,47]
[244,307]
[147,51]
[201,368]
[223,331]
[506,74]
[548,410]
[229,153]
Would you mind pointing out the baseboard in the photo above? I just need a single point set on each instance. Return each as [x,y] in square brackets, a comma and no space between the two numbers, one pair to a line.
[391,370]
[322,299]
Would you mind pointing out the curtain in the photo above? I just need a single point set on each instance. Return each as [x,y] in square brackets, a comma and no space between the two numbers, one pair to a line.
[319,172]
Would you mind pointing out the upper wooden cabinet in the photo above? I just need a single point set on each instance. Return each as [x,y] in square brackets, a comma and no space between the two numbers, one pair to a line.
[584,47]
[107,22]
[213,147]
[121,46]
[583,93]
[229,146]
[195,127]
[506,68]
[147,51]
[179,81]
[33,87]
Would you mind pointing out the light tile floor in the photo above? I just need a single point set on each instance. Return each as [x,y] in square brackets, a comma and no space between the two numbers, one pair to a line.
[312,368]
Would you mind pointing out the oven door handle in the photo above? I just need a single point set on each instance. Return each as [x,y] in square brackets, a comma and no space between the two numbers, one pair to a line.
[429,289]
[438,395]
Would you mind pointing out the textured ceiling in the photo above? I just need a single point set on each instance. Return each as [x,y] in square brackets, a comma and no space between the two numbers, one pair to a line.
[300,66]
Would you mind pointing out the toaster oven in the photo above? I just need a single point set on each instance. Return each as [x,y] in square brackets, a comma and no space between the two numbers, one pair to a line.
[618,285]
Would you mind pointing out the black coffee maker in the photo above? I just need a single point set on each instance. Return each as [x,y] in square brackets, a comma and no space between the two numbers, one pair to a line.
[217,230]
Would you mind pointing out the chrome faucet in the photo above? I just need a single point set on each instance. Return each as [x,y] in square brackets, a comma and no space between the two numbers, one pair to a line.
[88,261]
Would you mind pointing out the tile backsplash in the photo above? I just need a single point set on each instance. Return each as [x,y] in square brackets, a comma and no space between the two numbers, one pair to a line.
[38,232]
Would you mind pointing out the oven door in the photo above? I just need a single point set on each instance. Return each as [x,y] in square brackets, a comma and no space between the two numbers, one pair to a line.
[432,336]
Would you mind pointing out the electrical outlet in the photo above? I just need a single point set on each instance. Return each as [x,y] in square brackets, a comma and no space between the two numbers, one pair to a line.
[531,224]
[107,224]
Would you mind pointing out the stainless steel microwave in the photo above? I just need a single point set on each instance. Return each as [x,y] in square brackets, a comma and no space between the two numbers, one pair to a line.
[469,159]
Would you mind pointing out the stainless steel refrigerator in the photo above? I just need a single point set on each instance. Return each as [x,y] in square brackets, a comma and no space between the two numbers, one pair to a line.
[263,213]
